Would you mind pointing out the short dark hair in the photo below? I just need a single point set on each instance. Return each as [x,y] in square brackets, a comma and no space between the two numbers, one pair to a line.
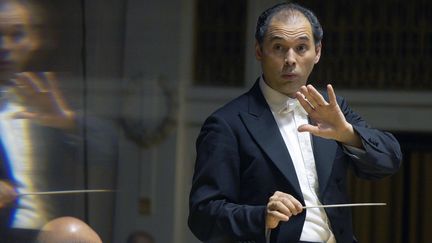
[267,15]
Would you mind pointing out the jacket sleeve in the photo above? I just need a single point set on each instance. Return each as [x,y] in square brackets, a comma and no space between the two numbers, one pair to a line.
[382,155]
[214,207]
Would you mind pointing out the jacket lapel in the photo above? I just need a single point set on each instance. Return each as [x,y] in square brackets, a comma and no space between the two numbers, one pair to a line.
[324,153]
[262,126]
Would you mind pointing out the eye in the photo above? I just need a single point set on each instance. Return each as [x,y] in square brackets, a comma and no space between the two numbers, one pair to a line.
[278,47]
[302,48]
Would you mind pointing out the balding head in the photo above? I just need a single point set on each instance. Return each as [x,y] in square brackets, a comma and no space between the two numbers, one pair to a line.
[67,230]
[289,12]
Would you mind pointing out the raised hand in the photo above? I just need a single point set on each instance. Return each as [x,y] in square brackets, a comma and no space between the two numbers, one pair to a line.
[328,118]
[43,100]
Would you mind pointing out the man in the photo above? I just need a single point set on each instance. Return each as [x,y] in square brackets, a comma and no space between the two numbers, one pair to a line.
[33,119]
[284,145]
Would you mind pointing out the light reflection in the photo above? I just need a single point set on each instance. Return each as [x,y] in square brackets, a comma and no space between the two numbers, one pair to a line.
[15,137]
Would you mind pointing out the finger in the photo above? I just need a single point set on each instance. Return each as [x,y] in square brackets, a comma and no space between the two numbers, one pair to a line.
[297,206]
[33,81]
[291,203]
[273,198]
[308,96]
[280,207]
[319,99]
[24,115]
[23,92]
[23,87]
[51,79]
[290,206]
[309,128]
[331,94]
[55,90]
[305,93]
[277,215]
[304,103]
[280,194]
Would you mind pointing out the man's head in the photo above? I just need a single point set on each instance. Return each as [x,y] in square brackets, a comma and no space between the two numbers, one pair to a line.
[67,230]
[18,37]
[266,16]
[288,45]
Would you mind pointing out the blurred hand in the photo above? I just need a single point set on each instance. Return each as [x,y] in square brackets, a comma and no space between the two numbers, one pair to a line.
[281,207]
[43,100]
[329,119]
[7,194]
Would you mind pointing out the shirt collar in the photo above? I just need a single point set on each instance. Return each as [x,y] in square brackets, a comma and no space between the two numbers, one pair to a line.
[276,100]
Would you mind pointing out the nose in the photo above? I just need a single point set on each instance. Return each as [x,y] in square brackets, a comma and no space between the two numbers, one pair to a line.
[290,58]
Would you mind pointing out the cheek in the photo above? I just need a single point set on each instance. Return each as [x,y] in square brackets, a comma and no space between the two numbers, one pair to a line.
[274,60]
[272,66]
[270,54]
[21,54]
[308,63]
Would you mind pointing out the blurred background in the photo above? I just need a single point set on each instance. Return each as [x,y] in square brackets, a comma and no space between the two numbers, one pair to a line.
[143,75]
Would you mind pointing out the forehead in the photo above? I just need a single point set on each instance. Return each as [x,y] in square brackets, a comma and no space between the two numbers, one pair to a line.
[288,26]
[12,13]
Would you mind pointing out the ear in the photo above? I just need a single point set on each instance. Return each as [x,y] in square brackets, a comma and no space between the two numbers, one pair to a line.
[258,51]
[317,52]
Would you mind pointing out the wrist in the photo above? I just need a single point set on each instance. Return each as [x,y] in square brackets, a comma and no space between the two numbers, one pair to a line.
[348,136]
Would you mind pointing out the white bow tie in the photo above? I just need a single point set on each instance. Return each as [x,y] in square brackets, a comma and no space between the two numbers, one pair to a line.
[292,105]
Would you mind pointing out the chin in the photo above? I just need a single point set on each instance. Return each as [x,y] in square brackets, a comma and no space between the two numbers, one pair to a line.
[291,93]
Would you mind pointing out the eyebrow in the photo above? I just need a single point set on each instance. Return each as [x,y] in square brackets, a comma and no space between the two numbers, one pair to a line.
[302,38]
[306,38]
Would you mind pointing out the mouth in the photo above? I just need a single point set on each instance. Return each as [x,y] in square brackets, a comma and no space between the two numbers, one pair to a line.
[289,75]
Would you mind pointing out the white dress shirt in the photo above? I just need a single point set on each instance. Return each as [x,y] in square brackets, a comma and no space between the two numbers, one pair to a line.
[15,137]
[289,115]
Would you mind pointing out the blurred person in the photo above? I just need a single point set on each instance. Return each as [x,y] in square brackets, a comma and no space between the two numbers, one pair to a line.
[284,145]
[140,237]
[67,230]
[33,120]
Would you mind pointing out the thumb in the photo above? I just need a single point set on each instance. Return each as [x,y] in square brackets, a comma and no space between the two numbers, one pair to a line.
[314,130]
[306,128]
[24,115]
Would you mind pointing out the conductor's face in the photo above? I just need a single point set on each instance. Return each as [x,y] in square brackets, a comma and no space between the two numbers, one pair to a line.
[288,52]
[17,40]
